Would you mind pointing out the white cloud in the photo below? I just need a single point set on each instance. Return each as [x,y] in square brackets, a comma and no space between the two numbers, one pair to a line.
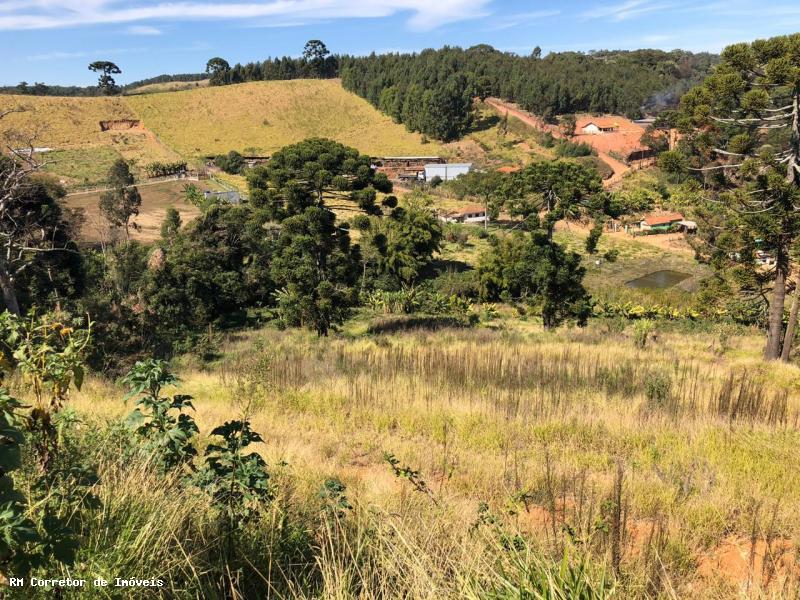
[143,30]
[627,10]
[48,14]
[509,21]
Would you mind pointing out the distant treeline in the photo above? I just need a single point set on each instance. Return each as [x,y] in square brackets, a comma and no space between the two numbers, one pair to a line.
[276,69]
[42,89]
[431,91]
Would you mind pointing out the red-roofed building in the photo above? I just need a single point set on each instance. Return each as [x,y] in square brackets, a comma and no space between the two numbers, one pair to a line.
[660,221]
[509,169]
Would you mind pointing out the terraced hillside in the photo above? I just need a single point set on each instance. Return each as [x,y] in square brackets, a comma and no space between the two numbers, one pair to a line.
[260,117]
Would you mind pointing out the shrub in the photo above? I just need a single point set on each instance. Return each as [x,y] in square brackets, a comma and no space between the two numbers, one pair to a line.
[658,390]
[160,421]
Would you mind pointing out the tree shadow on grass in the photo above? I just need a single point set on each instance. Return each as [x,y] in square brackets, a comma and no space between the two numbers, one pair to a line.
[405,323]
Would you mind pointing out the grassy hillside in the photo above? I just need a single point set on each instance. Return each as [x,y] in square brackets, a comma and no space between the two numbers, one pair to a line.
[64,122]
[167,86]
[540,426]
[262,117]
[71,126]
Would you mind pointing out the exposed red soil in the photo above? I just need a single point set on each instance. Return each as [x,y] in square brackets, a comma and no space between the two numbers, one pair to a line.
[619,167]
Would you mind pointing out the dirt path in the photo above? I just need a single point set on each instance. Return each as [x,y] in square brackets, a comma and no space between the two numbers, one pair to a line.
[619,167]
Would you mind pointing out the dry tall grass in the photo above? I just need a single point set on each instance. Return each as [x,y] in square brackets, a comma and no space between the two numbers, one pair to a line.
[651,461]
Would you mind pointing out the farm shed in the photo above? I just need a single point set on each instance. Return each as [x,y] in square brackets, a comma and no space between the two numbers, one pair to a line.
[404,167]
[660,221]
[472,213]
[447,172]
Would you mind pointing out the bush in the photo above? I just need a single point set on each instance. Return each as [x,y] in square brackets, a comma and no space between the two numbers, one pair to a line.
[568,149]
[453,283]
[658,390]
[232,162]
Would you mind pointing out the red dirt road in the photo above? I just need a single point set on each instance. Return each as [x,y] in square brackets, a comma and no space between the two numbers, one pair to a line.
[619,167]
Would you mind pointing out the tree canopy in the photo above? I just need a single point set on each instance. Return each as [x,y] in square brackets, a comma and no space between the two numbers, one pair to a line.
[315,172]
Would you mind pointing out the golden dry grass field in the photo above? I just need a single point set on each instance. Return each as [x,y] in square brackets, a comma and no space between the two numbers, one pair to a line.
[167,86]
[542,428]
[261,117]
[252,118]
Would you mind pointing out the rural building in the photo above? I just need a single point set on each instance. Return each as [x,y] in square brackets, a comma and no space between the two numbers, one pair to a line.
[229,197]
[598,125]
[254,161]
[661,221]
[472,213]
[613,135]
[404,168]
[508,169]
[447,172]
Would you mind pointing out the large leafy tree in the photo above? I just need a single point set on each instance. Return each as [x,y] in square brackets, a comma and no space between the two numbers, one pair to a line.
[530,268]
[213,269]
[407,240]
[555,189]
[219,70]
[742,137]
[315,269]
[316,172]
[316,53]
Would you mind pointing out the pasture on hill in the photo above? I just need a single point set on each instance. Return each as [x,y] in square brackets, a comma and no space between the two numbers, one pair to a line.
[81,151]
[261,117]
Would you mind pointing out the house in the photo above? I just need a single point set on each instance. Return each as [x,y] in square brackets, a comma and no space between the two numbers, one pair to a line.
[446,172]
[472,213]
[614,135]
[598,125]
[508,169]
[661,221]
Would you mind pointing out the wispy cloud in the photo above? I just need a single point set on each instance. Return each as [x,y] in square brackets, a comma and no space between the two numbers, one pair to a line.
[143,30]
[48,14]
[516,20]
[627,10]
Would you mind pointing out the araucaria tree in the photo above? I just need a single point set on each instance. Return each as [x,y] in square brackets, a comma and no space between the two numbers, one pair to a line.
[316,172]
[742,129]
[106,82]
[529,266]
[316,270]
[122,201]
[219,69]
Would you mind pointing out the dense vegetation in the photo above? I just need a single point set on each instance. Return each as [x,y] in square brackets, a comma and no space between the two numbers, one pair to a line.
[432,90]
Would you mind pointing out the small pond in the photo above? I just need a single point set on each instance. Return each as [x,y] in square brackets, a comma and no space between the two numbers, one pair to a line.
[658,280]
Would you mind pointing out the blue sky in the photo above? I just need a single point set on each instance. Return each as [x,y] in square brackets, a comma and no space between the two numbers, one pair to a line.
[54,40]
